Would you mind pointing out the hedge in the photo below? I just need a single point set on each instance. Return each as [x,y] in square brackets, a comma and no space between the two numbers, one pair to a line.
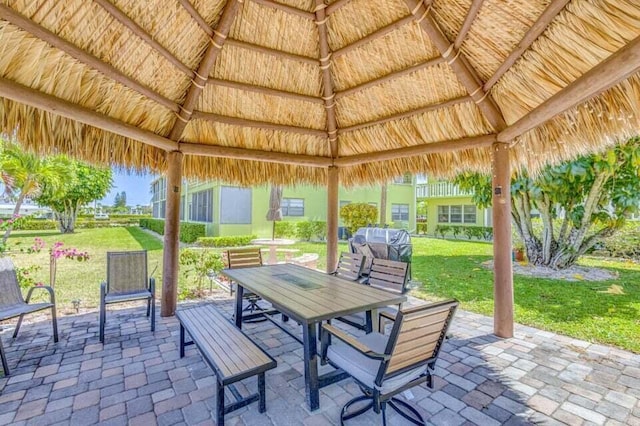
[479,232]
[286,229]
[311,229]
[45,224]
[625,243]
[234,241]
[189,232]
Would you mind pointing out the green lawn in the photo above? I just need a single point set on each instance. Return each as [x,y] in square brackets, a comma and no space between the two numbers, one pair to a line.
[584,310]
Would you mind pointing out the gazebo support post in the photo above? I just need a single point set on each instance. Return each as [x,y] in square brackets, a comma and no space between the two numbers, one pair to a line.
[171,235]
[502,266]
[332,218]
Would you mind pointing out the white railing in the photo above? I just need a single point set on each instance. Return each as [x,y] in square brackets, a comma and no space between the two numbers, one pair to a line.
[439,189]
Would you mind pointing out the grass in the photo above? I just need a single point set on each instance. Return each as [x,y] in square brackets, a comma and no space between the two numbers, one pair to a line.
[584,310]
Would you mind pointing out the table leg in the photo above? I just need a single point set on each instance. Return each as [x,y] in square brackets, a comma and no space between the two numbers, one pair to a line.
[273,258]
[375,324]
[239,294]
[312,388]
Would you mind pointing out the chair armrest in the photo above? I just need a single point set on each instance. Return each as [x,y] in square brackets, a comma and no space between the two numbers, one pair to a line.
[351,341]
[152,286]
[52,295]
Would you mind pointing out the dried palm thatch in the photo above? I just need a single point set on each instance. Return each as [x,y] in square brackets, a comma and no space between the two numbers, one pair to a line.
[258,91]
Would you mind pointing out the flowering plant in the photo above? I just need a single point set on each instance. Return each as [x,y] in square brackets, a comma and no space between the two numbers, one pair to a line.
[56,252]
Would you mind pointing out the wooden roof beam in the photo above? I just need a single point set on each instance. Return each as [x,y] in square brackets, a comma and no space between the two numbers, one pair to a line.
[391,76]
[473,142]
[549,14]
[468,22]
[129,23]
[406,114]
[204,69]
[80,55]
[285,8]
[458,63]
[374,35]
[265,125]
[191,10]
[264,90]
[335,6]
[616,68]
[327,80]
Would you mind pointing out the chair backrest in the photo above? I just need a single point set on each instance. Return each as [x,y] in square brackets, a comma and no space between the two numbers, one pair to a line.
[350,266]
[10,294]
[416,337]
[127,271]
[244,258]
[389,275]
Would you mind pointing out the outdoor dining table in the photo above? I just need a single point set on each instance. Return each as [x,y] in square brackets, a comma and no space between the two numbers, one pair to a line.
[309,297]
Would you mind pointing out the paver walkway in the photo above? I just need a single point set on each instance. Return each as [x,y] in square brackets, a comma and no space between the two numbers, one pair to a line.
[137,378]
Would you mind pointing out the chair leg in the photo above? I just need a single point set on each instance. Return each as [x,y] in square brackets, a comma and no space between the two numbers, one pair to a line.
[102,320]
[148,306]
[15,332]
[345,415]
[152,302]
[54,320]
[407,411]
[5,365]
[261,392]
[383,409]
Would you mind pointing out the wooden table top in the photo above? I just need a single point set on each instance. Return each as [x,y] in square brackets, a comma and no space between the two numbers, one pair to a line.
[311,295]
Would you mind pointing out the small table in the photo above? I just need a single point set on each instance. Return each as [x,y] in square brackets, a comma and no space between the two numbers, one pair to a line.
[309,297]
[273,245]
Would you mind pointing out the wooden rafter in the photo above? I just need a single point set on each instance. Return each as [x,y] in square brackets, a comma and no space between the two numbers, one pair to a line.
[617,67]
[285,8]
[264,90]
[391,76]
[549,14]
[335,6]
[327,80]
[80,55]
[374,35]
[406,114]
[474,142]
[218,118]
[125,20]
[204,69]
[191,10]
[467,76]
[468,21]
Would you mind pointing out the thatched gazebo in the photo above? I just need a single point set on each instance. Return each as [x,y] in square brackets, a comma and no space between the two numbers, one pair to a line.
[308,91]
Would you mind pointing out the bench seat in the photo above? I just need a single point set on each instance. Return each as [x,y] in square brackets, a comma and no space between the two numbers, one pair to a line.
[228,351]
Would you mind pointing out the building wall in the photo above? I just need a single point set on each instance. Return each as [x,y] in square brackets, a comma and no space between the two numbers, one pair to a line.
[432,212]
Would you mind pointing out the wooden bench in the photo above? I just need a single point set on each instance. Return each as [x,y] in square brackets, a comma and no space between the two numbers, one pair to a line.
[228,351]
[308,260]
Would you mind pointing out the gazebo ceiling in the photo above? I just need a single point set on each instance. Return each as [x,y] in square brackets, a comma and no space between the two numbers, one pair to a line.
[259,90]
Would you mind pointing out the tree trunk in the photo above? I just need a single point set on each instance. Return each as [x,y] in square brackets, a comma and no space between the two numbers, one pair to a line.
[16,210]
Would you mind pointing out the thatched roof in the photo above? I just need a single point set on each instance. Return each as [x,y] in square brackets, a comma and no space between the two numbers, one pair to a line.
[278,90]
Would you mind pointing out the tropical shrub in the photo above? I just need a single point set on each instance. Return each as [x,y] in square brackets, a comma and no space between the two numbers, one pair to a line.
[285,229]
[358,215]
[231,241]
[198,266]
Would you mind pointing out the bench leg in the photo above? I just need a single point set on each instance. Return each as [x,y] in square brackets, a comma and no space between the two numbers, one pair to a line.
[181,341]
[5,365]
[285,318]
[220,404]
[261,392]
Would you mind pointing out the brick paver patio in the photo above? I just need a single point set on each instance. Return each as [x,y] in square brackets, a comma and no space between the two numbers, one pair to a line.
[137,378]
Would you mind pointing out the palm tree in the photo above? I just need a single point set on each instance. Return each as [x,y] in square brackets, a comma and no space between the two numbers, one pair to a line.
[24,173]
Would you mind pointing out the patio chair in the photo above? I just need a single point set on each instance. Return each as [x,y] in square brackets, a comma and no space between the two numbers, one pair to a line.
[13,305]
[350,266]
[127,280]
[389,275]
[384,366]
[246,258]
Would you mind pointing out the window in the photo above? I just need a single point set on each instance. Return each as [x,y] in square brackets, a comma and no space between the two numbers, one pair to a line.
[404,179]
[344,203]
[457,214]
[399,212]
[159,196]
[201,206]
[292,207]
[235,205]
[182,206]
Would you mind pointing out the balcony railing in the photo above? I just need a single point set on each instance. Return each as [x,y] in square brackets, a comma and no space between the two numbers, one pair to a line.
[439,189]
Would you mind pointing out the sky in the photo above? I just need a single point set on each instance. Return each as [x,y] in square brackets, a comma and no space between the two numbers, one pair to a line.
[137,187]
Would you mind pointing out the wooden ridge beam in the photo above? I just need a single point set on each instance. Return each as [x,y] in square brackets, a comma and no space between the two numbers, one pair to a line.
[473,142]
[335,6]
[80,55]
[129,23]
[458,63]
[549,14]
[204,69]
[468,22]
[374,35]
[272,52]
[327,80]
[406,114]
[37,99]
[252,154]
[265,125]
[616,68]
[285,8]
[264,90]
[391,76]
